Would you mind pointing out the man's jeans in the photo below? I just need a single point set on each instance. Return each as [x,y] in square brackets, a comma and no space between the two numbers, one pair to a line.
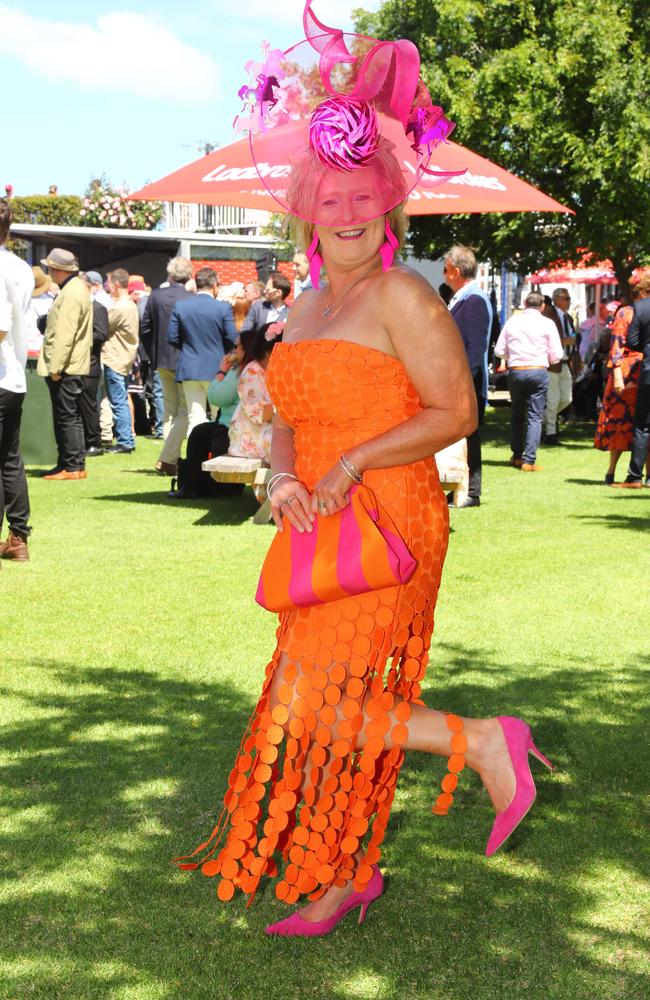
[158,405]
[528,394]
[116,388]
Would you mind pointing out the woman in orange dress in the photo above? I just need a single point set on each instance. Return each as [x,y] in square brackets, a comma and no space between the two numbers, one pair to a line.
[370,382]
[616,418]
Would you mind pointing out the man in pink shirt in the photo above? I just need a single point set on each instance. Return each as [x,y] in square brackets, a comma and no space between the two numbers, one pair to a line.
[528,343]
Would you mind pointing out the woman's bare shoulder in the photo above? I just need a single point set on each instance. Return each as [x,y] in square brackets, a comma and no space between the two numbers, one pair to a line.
[406,287]
[300,308]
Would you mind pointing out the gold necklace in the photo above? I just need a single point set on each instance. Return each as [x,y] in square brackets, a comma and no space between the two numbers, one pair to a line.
[327,312]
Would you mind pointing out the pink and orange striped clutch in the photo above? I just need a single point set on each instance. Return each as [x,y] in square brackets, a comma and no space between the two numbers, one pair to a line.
[352,552]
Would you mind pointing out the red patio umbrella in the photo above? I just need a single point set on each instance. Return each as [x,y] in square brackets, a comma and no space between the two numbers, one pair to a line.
[600,274]
[228,177]
[587,270]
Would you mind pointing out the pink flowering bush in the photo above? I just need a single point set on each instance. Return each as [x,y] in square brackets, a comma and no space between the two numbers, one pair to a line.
[107,207]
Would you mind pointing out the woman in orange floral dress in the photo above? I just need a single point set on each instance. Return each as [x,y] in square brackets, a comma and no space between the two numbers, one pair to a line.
[370,382]
[616,418]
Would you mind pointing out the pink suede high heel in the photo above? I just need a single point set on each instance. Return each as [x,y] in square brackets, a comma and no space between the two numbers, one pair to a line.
[297,926]
[519,741]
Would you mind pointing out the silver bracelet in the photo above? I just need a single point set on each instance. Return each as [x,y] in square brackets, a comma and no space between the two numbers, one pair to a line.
[349,469]
[274,480]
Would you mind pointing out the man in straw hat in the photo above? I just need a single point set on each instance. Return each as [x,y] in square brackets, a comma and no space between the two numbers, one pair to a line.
[16,284]
[65,360]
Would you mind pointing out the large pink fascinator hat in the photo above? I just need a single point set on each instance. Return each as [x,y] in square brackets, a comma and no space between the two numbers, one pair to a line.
[341,128]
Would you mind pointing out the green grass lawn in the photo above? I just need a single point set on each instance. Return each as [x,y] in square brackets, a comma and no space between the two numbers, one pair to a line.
[131,656]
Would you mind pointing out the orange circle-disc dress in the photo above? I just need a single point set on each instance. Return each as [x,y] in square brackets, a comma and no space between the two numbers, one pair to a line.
[311,790]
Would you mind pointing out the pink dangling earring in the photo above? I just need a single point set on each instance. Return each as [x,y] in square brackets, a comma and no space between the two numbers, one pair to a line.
[387,251]
[315,262]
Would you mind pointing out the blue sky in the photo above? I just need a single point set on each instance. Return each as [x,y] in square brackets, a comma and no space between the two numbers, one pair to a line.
[129,89]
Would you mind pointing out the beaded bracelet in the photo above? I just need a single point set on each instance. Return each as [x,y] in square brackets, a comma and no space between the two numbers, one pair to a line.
[273,481]
[349,469]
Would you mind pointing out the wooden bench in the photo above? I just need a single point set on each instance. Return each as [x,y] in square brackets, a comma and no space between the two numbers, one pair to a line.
[248,471]
[453,470]
[451,462]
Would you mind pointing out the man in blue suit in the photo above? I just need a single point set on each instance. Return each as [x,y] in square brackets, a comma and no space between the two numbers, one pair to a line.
[203,330]
[472,312]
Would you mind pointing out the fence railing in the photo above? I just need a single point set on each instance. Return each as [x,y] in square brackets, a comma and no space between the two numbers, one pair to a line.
[213,218]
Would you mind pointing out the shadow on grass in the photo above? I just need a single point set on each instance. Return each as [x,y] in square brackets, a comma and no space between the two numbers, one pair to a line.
[628,521]
[220,510]
[39,472]
[117,771]
[147,472]
[589,482]
[498,464]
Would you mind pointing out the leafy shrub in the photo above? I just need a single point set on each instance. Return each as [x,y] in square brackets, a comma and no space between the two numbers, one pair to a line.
[48,210]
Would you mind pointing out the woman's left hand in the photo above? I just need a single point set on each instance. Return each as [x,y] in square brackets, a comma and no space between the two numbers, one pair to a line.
[331,493]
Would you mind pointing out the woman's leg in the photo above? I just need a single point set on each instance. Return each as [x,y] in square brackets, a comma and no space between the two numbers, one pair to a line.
[614,456]
[428,732]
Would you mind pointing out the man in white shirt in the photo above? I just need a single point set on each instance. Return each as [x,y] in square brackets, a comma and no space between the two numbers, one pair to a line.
[529,343]
[16,285]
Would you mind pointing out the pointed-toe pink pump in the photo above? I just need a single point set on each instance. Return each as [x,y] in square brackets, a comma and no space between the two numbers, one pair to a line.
[297,926]
[520,743]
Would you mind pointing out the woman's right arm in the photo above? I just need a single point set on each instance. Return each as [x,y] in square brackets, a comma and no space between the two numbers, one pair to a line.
[224,392]
[283,459]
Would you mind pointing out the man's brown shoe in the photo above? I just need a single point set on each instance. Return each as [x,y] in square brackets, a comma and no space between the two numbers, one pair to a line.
[64,474]
[638,485]
[14,548]
[530,467]
[166,468]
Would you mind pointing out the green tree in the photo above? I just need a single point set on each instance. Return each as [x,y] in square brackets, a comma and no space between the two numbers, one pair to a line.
[556,91]
[278,228]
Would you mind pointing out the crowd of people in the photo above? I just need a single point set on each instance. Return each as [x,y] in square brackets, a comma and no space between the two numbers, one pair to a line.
[557,368]
[186,363]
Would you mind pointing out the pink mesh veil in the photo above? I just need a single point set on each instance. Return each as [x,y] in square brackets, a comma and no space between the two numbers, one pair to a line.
[341,126]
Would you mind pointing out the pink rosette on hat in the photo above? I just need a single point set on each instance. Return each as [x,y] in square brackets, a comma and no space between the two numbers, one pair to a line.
[344,133]
[341,126]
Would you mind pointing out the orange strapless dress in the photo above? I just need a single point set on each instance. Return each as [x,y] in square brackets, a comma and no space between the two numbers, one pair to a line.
[305,802]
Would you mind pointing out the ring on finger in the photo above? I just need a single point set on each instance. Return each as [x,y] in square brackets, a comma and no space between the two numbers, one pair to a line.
[292,500]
